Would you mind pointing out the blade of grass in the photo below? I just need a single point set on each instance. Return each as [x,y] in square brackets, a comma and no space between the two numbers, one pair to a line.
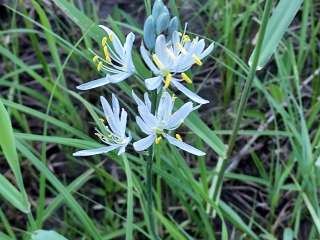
[8,146]
[277,26]
[243,100]
[71,202]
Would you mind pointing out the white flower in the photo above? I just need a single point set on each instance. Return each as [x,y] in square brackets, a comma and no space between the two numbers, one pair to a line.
[113,135]
[117,61]
[172,59]
[157,126]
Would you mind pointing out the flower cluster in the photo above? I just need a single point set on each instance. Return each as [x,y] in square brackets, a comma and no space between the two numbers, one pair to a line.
[168,54]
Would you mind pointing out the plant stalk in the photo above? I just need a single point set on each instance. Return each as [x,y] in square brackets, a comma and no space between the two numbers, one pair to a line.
[150,195]
[244,98]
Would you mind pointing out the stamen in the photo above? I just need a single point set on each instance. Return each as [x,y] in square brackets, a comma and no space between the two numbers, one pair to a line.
[186,78]
[104,41]
[107,54]
[158,140]
[197,60]
[102,120]
[186,38]
[95,58]
[178,137]
[99,66]
[157,61]
[182,49]
[110,37]
[168,80]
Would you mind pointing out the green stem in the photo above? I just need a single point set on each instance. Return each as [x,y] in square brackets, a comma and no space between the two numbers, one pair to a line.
[129,198]
[244,97]
[150,195]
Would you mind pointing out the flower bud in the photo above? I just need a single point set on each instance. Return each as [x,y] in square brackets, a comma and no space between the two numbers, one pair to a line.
[157,8]
[149,35]
[162,23]
[173,26]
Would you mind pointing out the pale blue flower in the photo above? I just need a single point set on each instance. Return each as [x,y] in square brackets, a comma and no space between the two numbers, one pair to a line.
[160,124]
[117,61]
[172,59]
[114,135]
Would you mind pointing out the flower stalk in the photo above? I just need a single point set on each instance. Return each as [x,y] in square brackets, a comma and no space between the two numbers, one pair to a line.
[243,99]
[149,195]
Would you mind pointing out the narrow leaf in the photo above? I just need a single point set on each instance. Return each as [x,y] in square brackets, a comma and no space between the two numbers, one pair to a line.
[277,26]
[8,146]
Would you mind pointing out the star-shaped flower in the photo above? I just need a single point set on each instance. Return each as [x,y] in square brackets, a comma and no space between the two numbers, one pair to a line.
[158,126]
[117,61]
[114,135]
[171,60]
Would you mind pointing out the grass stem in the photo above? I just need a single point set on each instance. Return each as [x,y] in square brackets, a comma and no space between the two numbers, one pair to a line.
[244,98]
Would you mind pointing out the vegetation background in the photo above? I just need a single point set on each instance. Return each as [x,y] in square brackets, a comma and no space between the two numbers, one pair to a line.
[271,188]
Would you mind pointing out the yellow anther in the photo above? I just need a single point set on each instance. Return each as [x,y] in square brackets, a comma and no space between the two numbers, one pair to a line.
[110,37]
[99,66]
[178,137]
[186,78]
[104,41]
[158,140]
[102,120]
[186,38]
[170,53]
[95,58]
[182,49]
[157,61]
[197,60]
[106,53]
[168,80]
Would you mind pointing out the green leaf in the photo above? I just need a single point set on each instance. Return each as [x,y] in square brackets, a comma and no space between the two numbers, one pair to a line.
[46,235]
[8,146]
[172,229]
[12,195]
[277,26]
[70,201]
[236,220]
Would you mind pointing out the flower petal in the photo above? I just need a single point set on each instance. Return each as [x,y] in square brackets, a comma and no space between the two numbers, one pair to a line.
[123,122]
[128,49]
[147,117]
[153,83]
[160,49]
[188,92]
[144,143]
[148,61]
[138,101]
[184,146]
[95,151]
[94,84]
[147,101]
[143,126]
[118,77]
[207,51]
[165,107]
[114,125]
[178,117]
[115,106]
